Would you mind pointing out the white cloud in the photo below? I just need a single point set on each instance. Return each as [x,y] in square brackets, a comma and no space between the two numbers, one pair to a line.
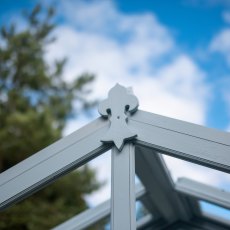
[226,16]
[221,44]
[228,129]
[227,99]
[172,84]
[133,50]
[75,124]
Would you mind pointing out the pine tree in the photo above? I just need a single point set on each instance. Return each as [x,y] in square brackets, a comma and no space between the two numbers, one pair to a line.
[35,104]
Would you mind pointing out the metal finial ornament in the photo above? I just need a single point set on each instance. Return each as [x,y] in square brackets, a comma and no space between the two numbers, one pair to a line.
[119,104]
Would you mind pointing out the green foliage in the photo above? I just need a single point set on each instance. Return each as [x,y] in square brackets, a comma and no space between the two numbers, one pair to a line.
[35,103]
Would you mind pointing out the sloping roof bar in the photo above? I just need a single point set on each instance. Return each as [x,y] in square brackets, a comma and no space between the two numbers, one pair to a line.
[50,163]
[203,192]
[93,215]
[183,140]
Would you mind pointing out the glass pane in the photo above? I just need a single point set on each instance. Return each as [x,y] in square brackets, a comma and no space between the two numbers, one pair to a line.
[209,210]
[180,168]
[102,166]
[137,179]
[104,224]
[141,210]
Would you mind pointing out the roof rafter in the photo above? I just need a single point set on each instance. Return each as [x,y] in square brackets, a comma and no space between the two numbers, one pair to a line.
[161,193]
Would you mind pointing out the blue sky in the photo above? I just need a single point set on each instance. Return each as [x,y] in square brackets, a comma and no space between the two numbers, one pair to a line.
[192,24]
[175,55]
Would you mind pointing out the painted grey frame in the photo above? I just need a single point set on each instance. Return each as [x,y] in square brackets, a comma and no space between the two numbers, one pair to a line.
[163,200]
[203,192]
[52,162]
[155,134]
[191,142]
[93,215]
[123,214]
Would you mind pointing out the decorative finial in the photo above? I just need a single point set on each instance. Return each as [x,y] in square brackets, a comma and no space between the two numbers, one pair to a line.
[119,104]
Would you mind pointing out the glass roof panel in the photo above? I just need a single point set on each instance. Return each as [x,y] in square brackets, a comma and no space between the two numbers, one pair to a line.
[138,180]
[180,168]
[209,210]
[141,210]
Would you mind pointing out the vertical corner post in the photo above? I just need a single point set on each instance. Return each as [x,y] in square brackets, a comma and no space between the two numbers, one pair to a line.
[123,214]
[118,107]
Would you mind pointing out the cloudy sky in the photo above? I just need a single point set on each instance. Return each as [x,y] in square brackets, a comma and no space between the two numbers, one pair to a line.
[175,55]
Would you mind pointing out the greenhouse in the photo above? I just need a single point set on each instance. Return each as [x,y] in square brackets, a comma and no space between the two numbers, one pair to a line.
[137,140]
